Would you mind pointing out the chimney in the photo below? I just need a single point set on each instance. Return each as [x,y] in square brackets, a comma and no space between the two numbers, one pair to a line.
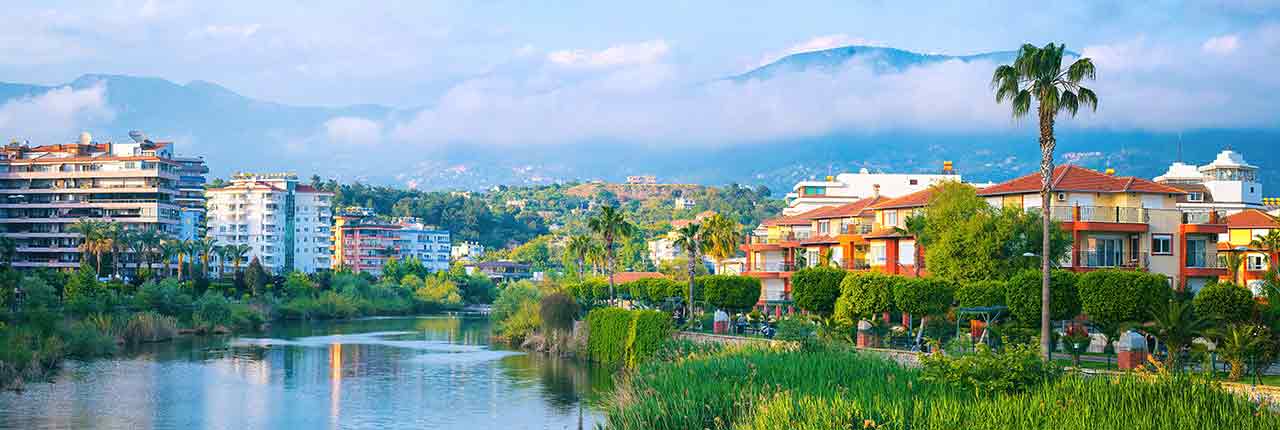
[947,167]
[875,190]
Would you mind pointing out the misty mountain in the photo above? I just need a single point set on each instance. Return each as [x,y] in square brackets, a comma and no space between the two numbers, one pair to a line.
[239,133]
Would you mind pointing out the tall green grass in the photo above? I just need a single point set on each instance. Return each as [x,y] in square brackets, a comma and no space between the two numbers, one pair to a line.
[825,388]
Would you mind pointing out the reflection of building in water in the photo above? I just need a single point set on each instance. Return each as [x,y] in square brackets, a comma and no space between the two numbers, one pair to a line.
[335,383]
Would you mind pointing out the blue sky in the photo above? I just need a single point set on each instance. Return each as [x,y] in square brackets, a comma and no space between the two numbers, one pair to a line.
[498,72]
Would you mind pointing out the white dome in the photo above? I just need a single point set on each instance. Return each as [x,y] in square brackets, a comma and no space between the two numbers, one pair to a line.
[86,138]
[1228,159]
[1180,171]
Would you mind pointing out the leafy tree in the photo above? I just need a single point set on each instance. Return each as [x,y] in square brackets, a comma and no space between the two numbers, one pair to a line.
[735,293]
[864,295]
[1022,296]
[978,294]
[558,311]
[256,277]
[437,291]
[1224,303]
[923,297]
[1037,76]
[536,253]
[1111,297]
[816,289]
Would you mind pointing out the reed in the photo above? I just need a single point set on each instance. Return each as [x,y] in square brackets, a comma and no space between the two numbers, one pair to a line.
[146,327]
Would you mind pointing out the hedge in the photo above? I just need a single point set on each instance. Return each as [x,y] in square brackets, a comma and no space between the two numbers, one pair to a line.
[923,296]
[649,329]
[1224,303]
[589,290]
[816,289]
[729,291]
[618,336]
[1023,296]
[654,290]
[981,294]
[864,295]
[1117,296]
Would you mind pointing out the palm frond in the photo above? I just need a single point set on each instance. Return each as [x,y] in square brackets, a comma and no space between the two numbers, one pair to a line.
[1081,70]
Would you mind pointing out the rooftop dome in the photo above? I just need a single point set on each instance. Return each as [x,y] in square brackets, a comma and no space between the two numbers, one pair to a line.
[1228,159]
[1180,171]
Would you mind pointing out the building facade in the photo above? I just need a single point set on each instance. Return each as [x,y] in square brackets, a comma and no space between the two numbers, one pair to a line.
[851,187]
[190,197]
[1229,184]
[45,190]
[286,224]
[466,251]
[428,244]
[1244,231]
[363,242]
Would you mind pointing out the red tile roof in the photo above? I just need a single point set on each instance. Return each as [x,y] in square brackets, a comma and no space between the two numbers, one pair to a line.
[624,277]
[913,200]
[850,209]
[885,232]
[1075,178]
[309,189]
[1252,218]
[680,223]
[798,219]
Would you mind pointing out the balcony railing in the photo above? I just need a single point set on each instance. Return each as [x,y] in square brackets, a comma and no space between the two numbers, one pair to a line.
[1208,259]
[773,267]
[1204,217]
[1113,259]
[855,229]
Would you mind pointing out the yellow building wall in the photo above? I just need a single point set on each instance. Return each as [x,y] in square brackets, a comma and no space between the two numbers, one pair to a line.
[1240,236]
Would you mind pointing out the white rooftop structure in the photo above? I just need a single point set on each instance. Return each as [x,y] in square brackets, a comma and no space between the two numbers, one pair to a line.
[1228,183]
[851,187]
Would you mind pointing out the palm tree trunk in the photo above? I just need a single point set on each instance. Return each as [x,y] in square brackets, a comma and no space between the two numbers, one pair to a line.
[1047,144]
[99,264]
[692,275]
[609,269]
[581,269]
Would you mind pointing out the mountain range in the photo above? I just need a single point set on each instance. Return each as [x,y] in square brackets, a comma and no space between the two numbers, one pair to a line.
[238,133]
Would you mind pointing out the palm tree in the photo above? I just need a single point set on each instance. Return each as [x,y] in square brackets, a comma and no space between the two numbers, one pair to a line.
[204,249]
[915,225]
[689,239]
[114,241]
[238,253]
[721,236]
[1177,325]
[169,248]
[91,235]
[224,254]
[1270,243]
[1239,343]
[1037,76]
[611,224]
[134,242]
[578,247]
[1232,260]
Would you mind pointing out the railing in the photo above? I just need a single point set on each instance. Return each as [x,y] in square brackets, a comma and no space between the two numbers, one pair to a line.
[1204,217]
[1111,214]
[1207,259]
[860,264]
[773,267]
[1113,259]
[855,229]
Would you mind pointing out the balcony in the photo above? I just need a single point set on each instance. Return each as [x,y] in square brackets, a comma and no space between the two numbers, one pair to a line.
[773,267]
[855,229]
[1112,259]
[1208,259]
[1204,217]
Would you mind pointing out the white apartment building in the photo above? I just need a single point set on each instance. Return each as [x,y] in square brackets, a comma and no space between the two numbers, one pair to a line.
[466,251]
[427,243]
[1229,184]
[286,224]
[851,187]
[44,190]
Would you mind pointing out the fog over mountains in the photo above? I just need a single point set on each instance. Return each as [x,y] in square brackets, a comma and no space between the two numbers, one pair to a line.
[804,115]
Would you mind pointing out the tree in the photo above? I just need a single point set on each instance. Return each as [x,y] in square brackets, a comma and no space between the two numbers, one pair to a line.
[816,289]
[1022,293]
[1239,344]
[1177,325]
[689,240]
[735,293]
[1112,297]
[1270,243]
[239,253]
[169,248]
[204,249]
[1224,303]
[113,241]
[256,276]
[579,247]
[611,224]
[721,237]
[8,249]
[91,239]
[1037,76]
[923,297]
[863,296]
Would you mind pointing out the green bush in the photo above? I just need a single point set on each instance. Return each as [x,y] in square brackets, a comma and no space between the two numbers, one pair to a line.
[734,293]
[211,311]
[246,318]
[654,290]
[521,324]
[511,297]
[980,294]
[166,297]
[87,340]
[649,329]
[1117,296]
[37,294]
[923,296]
[558,311]
[863,295]
[1224,303]
[795,329]
[1023,296]
[985,372]
[816,289]
[609,329]
[149,327]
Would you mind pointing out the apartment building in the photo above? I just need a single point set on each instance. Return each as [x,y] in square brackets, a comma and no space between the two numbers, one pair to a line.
[466,251]
[190,197]
[286,224]
[46,189]
[1243,229]
[1123,223]
[850,187]
[1229,184]
[363,242]
[891,249]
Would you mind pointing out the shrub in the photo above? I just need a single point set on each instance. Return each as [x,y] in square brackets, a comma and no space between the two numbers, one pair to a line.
[211,311]
[1023,296]
[923,296]
[864,295]
[729,291]
[150,327]
[38,295]
[985,372]
[816,289]
[654,290]
[245,318]
[511,297]
[981,294]
[331,305]
[1116,296]
[1224,303]
[649,329]
[520,324]
[165,297]
[85,340]
[437,292]
[609,330]
[795,329]
[558,311]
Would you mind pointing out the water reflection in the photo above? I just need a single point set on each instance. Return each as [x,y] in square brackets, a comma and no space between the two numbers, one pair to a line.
[377,373]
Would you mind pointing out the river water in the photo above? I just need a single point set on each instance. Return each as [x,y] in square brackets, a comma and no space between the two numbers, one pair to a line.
[422,373]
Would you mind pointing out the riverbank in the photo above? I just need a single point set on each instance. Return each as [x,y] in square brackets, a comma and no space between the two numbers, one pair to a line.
[787,387]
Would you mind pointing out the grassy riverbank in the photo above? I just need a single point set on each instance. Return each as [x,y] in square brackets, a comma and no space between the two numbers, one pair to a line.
[833,387]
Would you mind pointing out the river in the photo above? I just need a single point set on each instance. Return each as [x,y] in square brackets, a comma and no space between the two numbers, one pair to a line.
[435,372]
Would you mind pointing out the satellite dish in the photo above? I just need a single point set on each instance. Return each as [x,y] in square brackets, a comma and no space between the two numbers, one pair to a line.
[137,136]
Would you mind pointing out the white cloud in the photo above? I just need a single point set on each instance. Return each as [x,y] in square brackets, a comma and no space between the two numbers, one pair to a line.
[818,43]
[55,116]
[1221,45]
[353,131]
[231,31]
[617,55]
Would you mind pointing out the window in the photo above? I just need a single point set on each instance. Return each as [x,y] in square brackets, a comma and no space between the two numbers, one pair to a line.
[877,254]
[1161,244]
[815,191]
[1195,196]
[914,182]
[824,227]
[1062,197]
[1257,262]
[891,218]
[907,253]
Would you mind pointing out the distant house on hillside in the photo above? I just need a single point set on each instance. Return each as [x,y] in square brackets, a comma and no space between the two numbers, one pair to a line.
[500,271]
[682,203]
[642,179]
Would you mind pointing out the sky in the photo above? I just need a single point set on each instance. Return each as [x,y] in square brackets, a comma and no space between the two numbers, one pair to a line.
[501,72]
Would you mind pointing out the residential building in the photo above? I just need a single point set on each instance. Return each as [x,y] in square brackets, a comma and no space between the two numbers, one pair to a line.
[682,203]
[642,179]
[891,248]
[851,187]
[466,251]
[190,197]
[429,244]
[1123,223]
[500,271]
[286,224]
[1243,228]
[1229,184]
[46,189]
[364,242]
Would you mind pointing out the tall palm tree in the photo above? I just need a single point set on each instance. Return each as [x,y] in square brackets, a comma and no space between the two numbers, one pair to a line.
[721,236]
[114,241]
[689,239]
[239,253]
[136,245]
[204,249]
[1232,260]
[90,239]
[224,254]
[1270,244]
[169,248]
[611,224]
[578,247]
[596,257]
[1037,76]
[1177,325]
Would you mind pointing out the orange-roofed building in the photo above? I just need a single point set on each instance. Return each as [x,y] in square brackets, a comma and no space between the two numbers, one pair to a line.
[1244,228]
[1122,222]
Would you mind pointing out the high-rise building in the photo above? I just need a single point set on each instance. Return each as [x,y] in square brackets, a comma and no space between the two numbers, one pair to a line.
[45,190]
[286,224]
[190,197]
